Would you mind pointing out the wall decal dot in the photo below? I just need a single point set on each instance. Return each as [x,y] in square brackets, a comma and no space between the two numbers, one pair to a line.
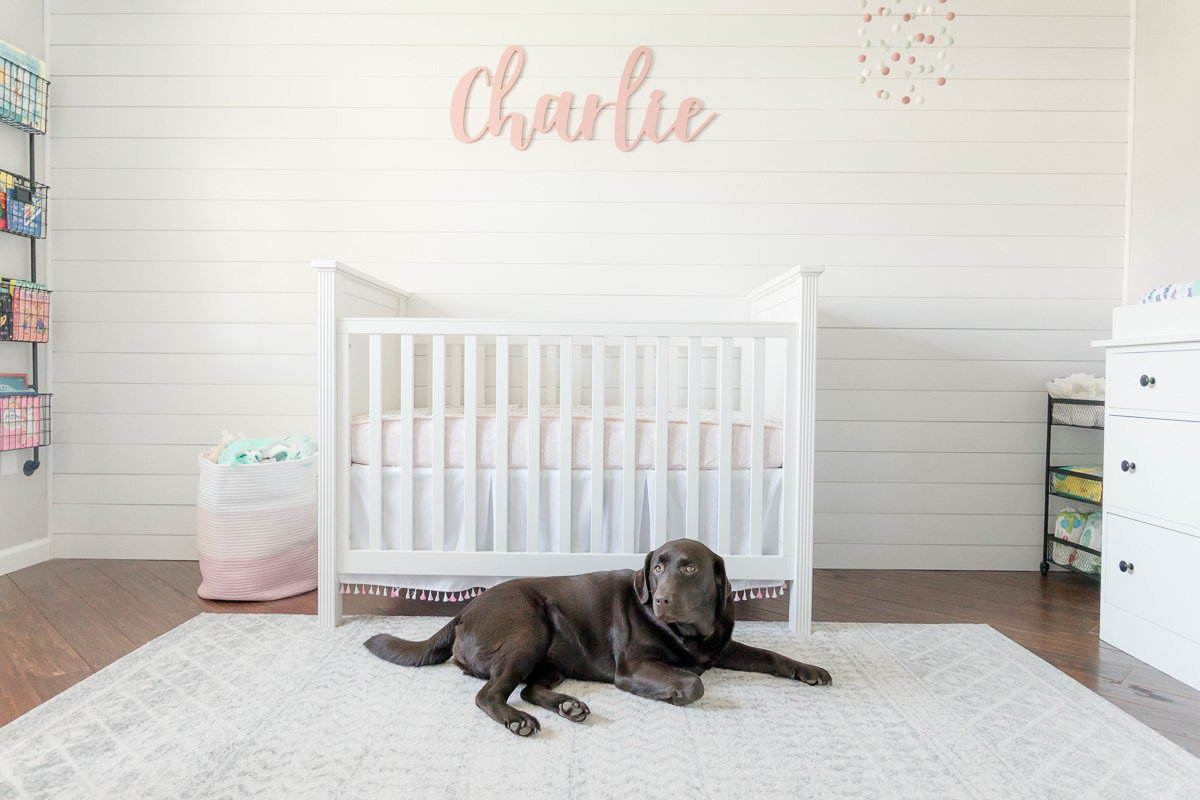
[949,68]
[941,56]
[884,70]
[950,15]
[905,99]
[896,28]
[862,31]
[861,58]
[920,37]
[908,17]
[895,57]
[941,81]
[866,17]
[929,39]
[912,59]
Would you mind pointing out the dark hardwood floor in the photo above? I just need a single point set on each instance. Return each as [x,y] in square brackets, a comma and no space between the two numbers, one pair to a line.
[62,620]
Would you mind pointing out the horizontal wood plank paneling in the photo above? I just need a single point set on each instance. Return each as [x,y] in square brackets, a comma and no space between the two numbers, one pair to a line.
[205,152]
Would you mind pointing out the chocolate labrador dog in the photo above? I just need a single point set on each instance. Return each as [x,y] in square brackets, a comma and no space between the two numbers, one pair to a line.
[651,632]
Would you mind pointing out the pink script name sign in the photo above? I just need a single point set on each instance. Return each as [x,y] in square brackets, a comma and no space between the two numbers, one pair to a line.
[553,111]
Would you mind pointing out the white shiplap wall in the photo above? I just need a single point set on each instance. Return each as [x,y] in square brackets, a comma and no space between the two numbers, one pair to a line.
[205,151]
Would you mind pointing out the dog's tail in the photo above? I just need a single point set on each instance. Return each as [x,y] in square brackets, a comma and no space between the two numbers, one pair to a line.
[434,650]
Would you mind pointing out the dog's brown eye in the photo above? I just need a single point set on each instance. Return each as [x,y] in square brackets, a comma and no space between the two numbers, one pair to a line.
[658,568]
[690,568]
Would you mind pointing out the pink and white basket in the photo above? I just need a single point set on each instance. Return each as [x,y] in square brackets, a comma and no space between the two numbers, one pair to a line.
[256,529]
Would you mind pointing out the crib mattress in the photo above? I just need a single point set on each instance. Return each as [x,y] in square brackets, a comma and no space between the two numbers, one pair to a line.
[581,418]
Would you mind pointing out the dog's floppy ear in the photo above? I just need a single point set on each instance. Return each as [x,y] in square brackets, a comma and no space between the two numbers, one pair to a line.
[723,590]
[641,581]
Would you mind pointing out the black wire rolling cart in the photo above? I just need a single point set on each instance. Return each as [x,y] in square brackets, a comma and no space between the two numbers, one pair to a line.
[1067,482]
[24,305]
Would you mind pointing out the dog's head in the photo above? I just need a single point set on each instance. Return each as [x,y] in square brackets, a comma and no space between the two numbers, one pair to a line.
[684,584]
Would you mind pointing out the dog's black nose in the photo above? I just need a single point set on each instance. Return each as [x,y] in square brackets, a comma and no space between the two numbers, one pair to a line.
[662,600]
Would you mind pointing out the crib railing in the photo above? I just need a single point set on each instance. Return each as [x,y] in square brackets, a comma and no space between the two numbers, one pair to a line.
[744,350]
[564,334]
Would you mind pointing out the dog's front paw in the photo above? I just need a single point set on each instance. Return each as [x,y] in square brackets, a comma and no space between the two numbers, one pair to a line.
[574,710]
[813,676]
[523,724]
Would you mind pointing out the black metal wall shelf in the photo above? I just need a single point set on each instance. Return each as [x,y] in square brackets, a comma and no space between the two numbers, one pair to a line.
[24,96]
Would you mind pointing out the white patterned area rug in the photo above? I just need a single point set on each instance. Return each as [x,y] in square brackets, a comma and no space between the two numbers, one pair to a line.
[255,706]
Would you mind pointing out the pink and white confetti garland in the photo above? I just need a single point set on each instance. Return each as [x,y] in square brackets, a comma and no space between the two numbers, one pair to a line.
[761,593]
[910,41]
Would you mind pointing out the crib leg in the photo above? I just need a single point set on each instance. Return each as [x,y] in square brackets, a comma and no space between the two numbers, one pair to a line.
[329,601]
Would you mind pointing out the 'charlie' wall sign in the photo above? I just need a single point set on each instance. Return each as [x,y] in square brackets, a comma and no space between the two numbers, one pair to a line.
[553,111]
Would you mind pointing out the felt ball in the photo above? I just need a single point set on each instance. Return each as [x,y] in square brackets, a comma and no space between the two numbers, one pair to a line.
[866,17]
[861,58]
[884,70]
[950,15]
[929,39]
[907,17]
[941,81]
[920,37]
[904,100]
[912,59]
[895,56]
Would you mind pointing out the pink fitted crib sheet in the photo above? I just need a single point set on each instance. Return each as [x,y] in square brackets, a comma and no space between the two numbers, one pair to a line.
[614,439]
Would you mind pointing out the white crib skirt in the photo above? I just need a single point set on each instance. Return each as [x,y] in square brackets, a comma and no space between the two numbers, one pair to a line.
[581,497]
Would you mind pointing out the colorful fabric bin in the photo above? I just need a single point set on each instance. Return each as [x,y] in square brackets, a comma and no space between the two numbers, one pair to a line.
[20,420]
[256,529]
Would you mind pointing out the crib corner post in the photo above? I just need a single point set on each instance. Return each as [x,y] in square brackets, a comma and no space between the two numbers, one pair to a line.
[329,598]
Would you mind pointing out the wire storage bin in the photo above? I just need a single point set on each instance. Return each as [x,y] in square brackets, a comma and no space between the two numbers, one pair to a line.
[24,311]
[24,420]
[23,205]
[23,90]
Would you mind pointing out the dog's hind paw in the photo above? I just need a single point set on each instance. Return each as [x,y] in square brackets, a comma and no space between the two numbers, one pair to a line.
[572,709]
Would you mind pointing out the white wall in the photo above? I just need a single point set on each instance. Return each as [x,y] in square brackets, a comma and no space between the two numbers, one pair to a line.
[205,151]
[23,501]
[1165,171]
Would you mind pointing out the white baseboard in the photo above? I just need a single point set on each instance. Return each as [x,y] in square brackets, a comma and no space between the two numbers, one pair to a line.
[24,555]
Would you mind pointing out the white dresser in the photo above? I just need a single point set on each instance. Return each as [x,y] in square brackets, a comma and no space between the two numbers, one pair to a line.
[1150,581]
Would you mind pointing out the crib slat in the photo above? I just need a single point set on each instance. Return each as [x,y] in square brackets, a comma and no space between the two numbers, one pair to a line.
[566,449]
[500,542]
[407,387]
[692,516]
[758,378]
[662,396]
[343,451]
[791,451]
[628,463]
[470,430]
[375,421]
[725,456]
[533,391]
[597,474]
[438,378]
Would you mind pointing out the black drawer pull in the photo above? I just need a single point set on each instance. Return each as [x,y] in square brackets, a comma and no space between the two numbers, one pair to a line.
[1126,566]
[1128,466]
[1146,380]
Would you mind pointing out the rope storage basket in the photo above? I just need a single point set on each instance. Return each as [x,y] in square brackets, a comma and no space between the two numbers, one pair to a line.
[256,529]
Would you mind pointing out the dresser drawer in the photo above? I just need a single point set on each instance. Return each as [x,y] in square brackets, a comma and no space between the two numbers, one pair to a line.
[1159,583]
[1151,468]
[1160,380]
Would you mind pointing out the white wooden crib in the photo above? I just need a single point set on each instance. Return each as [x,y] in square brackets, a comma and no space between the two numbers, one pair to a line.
[426,503]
